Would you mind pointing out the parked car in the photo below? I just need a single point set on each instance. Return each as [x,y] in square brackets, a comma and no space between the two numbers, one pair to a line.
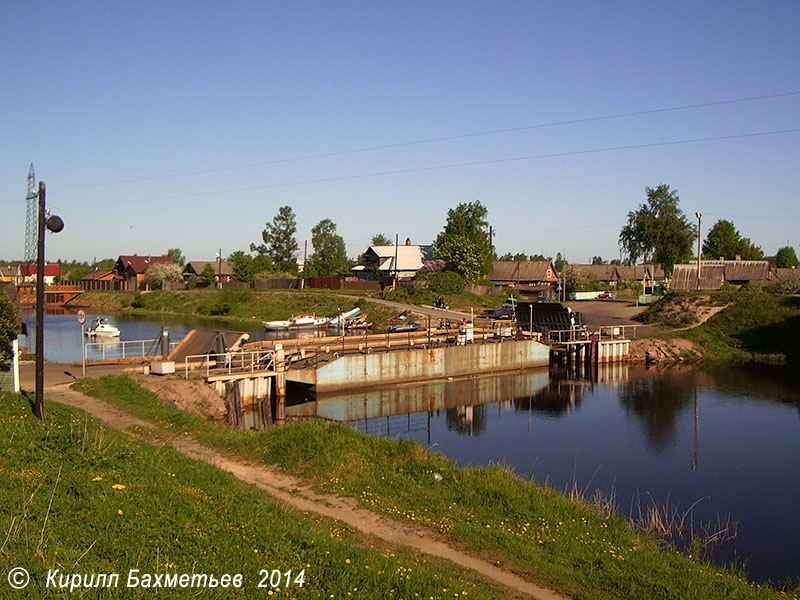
[605,294]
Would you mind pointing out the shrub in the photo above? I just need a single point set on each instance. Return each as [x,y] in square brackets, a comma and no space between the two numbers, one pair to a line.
[446,282]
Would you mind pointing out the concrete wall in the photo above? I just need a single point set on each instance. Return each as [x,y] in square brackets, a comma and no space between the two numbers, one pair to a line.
[612,350]
[379,368]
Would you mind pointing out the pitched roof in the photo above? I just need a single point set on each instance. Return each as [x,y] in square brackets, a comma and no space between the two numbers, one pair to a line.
[140,264]
[784,273]
[49,270]
[598,272]
[684,277]
[98,275]
[522,271]
[198,266]
[409,258]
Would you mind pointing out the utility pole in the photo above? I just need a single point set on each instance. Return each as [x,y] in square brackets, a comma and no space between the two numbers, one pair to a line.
[699,216]
[54,224]
[305,260]
[219,269]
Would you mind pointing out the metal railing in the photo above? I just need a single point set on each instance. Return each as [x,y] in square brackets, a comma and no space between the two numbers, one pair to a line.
[240,361]
[612,332]
[114,349]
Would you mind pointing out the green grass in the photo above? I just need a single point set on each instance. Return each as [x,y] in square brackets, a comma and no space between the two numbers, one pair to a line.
[532,530]
[79,498]
[757,327]
[236,307]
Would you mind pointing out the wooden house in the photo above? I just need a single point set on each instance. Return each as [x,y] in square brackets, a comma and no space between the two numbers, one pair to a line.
[530,277]
[193,271]
[27,273]
[404,261]
[715,273]
[131,269]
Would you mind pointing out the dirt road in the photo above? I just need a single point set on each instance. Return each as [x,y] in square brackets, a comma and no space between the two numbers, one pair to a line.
[299,495]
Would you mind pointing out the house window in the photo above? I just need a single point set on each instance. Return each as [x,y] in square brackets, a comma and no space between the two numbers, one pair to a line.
[549,273]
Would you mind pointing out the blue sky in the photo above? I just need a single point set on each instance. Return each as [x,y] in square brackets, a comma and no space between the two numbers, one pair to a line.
[188,124]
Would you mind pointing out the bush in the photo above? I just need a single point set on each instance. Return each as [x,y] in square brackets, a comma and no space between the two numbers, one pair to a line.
[446,282]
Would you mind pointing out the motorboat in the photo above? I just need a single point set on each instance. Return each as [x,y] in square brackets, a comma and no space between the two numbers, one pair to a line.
[342,317]
[305,320]
[102,326]
[275,325]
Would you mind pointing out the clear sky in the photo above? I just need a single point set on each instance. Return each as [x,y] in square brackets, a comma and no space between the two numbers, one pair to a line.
[169,124]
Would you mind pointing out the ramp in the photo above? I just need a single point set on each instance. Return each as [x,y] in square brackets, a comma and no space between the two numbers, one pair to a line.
[204,341]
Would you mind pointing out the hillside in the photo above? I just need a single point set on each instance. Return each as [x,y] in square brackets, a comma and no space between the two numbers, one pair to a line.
[743,326]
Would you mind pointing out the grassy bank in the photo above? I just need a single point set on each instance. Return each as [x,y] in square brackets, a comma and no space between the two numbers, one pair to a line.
[79,498]
[236,306]
[534,531]
[754,326]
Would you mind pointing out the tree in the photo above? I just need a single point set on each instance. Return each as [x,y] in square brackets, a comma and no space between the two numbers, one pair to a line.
[246,267]
[176,256]
[9,324]
[208,276]
[598,260]
[380,239]
[330,257]
[723,240]
[786,257]
[658,231]
[464,243]
[160,273]
[280,244]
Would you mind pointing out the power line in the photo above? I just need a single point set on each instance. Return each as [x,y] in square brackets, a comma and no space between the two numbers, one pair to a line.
[446,166]
[439,139]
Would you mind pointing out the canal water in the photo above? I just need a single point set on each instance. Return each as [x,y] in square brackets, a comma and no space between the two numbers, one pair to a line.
[724,441]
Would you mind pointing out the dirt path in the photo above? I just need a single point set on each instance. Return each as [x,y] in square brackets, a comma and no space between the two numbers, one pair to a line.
[299,495]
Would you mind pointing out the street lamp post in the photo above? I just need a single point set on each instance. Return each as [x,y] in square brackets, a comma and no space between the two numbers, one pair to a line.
[54,224]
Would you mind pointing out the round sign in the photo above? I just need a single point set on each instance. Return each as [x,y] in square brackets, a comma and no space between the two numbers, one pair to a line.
[81,316]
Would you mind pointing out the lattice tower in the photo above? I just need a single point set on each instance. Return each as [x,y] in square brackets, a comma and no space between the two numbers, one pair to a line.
[31,225]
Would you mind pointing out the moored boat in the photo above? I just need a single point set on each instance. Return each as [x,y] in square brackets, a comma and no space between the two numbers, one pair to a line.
[342,317]
[305,320]
[275,325]
[102,326]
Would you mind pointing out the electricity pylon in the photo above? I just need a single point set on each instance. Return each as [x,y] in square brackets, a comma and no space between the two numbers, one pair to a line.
[33,218]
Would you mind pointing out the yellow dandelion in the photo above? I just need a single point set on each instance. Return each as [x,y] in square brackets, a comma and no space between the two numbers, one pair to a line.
[119,511]
[98,478]
[347,560]
[118,486]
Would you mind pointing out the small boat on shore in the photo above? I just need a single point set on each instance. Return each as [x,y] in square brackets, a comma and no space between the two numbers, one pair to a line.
[102,326]
[413,326]
[342,317]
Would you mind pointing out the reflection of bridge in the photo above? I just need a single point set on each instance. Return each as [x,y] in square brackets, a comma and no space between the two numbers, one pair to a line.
[54,295]
[415,398]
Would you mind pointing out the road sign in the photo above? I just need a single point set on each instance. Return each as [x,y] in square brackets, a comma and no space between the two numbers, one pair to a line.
[81,316]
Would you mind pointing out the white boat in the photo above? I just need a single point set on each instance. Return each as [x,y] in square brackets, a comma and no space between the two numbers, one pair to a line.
[307,321]
[102,326]
[341,317]
[275,325]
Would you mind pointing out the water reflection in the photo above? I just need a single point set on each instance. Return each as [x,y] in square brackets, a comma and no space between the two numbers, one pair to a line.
[722,436]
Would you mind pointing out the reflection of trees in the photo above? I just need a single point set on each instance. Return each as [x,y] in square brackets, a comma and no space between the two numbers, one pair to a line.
[469,420]
[557,399]
[657,399]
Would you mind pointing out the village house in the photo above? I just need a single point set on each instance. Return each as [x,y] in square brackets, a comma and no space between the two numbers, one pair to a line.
[403,261]
[193,271]
[27,273]
[131,269]
[715,273]
[529,277]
